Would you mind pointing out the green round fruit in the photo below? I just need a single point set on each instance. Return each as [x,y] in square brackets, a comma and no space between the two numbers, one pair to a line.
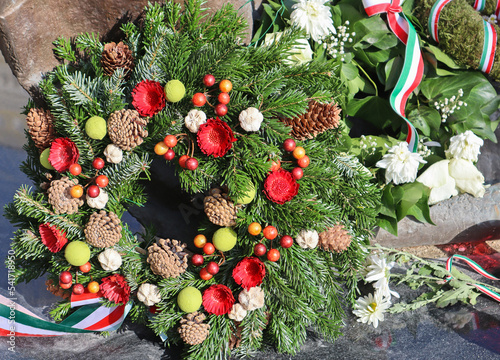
[44,159]
[96,127]
[77,253]
[189,299]
[175,91]
[248,196]
[224,239]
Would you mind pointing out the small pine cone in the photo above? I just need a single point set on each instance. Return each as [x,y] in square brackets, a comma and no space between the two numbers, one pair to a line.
[192,329]
[56,289]
[219,209]
[103,229]
[60,196]
[167,258]
[318,118]
[235,339]
[41,127]
[335,239]
[127,129]
[116,56]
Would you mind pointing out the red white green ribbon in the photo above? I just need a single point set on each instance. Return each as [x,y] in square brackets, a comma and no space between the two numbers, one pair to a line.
[476,267]
[434,18]
[497,11]
[489,48]
[413,66]
[16,320]
[479,5]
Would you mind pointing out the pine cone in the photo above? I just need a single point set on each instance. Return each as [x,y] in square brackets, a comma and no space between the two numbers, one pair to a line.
[103,229]
[115,57]
[127,129]
[60,197]
[219,209]
[318,118]
[41,127]
[193,330]
[56,289]
[235,339]
[167,258]
[335,239]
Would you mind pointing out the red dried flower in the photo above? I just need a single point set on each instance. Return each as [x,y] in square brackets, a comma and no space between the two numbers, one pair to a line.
[218,299]
[63,153]
[52,237]
[115,289]
[280,186]
[215,137]
[148,98]
[249,272]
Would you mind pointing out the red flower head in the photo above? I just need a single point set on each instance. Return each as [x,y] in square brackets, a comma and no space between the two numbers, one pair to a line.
[249,272]
[280,186]
[63,153]
[52,237]
[148,98]
[115,288]
[218,299]
[215,137]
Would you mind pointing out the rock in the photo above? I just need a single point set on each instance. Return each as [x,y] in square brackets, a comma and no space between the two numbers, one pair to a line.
[28,28]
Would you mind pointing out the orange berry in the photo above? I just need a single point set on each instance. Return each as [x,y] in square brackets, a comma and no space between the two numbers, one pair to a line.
[209,248]
[273,255]
[161,148]
[299,152]
[270,232]
[254,228]
[93,287]
[76,191]
[200,240]
[205,275]
[182,160]
[225,86]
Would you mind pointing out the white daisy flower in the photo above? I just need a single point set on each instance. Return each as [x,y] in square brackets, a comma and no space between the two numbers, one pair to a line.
[378,271]
[370,309]
[313,17]
[400,164]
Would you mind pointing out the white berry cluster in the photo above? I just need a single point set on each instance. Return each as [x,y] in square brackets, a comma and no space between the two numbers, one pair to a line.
[422,149]
[448,106]
[334,43]
[368,144]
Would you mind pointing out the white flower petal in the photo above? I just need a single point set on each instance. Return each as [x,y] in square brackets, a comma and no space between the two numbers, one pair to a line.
[467,177]
[438,178]
[400,164]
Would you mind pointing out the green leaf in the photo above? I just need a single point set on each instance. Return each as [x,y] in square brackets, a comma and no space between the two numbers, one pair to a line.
[441,56]
[425,119]
[350,71]
[393,71]
[388,223]
[373,109]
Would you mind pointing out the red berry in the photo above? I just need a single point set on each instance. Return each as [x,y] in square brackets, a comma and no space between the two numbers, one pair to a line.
[98,163]
[270,232]
[209,80]
[224,98]
[64,286]
[303,162]
[102,181]
[220,109]
[199,99]
[273,255]
[93,191]
[197,260]
[78,289]
[205,275]
[191,164]
[212,268]
[275,164]
[170,141]
[182,161]
[85,268]
[65,277]
[209,248]
[259,249]
[297,173]
[169,155]
[289,145]
[286,241]
[75,169]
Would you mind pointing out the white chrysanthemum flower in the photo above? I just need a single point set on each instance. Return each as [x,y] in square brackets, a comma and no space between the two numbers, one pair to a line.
[149,294]
[378,271]
[113,154]
[370,309]
[467,177]
[400,164]
[464,146]
[313,17]
[437,177]
[250,119]
[98,202]
[252,298]
[194,119]
[110,260]
[237,312]
[300,53]
[307,239]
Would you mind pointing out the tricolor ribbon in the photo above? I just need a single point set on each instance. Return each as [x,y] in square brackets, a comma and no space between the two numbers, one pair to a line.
[490,35]
[16,320]
[413,66]
[476,267]
[497,9]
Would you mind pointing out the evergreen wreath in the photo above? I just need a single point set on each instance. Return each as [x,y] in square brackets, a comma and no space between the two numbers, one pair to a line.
[149,94]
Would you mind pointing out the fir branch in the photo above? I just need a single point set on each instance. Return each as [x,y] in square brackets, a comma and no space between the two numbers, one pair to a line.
[63,49]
